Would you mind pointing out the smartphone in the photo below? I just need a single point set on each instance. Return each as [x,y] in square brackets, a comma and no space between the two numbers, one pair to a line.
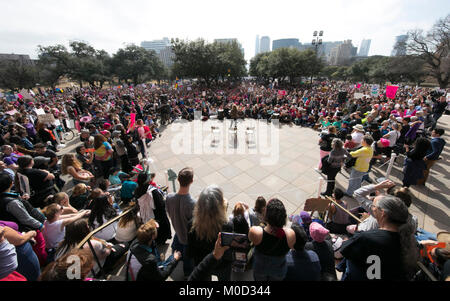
[227,238]
[234,240]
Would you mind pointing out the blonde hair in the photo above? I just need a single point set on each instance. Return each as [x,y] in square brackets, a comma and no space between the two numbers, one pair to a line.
[79,189]
[51,210]
[209,213]
[146,232]
[69,160]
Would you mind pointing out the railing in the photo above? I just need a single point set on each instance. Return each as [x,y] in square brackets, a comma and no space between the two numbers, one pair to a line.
[87,239]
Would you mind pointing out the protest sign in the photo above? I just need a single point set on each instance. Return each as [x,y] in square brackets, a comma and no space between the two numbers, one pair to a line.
[391,91]
[358,95]
[282,92]
[132,121]
[46,118]
[39,111]
[189,88]
[26,94]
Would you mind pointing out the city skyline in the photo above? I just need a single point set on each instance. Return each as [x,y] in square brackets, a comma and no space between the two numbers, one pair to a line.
[108,25]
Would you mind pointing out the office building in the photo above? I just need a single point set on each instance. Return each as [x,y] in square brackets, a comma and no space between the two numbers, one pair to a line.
[264,45]
[364,48]
[257,45]
[156,45]
[231,41]
[400,45]
[285,43]
[341,54]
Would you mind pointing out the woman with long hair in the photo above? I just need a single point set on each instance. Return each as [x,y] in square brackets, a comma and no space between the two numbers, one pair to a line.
[103,154]
[107,253]
[209,218]
[159,211]
[392,245]
[272,243]
[128,225]
[103,211]
[70,165]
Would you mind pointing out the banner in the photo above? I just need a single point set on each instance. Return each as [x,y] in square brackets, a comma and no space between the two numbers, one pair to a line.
[391,91]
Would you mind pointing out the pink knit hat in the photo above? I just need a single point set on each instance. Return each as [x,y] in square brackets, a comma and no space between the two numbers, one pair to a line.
[318,232]
[385,142]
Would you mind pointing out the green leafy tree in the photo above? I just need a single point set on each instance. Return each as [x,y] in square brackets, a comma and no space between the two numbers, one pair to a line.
[136,64]
[15,75]
[53,63]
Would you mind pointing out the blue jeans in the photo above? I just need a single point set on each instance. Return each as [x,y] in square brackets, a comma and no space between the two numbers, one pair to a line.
[355,181]
[268,268]
[188,263]
[28,262]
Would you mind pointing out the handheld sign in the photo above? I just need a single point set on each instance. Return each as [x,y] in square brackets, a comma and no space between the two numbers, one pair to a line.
[391,91]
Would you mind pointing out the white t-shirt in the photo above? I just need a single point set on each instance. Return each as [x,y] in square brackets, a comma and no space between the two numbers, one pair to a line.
[127,233]
[393,137]
[53,233]
[357,137]
[108,233]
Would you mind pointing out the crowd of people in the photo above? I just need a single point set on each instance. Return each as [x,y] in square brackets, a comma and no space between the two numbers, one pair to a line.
[43,219]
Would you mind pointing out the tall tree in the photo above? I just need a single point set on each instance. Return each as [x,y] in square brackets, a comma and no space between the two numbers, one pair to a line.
[136,64]
[53,63]
[15,75]
[433,47]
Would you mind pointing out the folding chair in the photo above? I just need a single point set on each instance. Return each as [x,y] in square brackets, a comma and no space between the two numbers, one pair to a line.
[215,134]
[317,204]
[250,135]
[24,184]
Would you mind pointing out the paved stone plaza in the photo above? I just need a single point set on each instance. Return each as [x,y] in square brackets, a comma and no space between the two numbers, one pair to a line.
[280,164]
[243,173]
[243,176]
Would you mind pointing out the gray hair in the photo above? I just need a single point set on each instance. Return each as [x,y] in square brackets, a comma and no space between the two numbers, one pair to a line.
[209,213]
[397,213]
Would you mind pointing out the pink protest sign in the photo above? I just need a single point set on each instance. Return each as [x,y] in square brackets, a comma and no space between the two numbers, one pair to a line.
[132,121]
[282,92]
[391,91]
[358,86]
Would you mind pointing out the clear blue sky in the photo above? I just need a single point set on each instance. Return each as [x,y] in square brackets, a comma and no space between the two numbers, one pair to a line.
[110,24]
